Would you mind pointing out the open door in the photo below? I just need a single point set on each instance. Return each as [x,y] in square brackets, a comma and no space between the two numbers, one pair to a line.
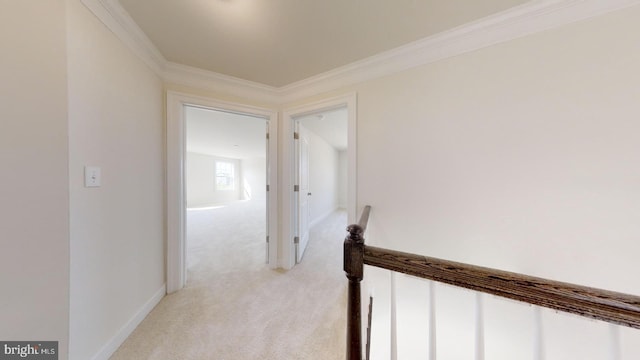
[302,190]
[268,189]
[293,248]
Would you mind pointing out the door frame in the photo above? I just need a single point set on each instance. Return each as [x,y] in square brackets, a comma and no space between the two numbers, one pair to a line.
[301,143]
[176,264]
[349,101]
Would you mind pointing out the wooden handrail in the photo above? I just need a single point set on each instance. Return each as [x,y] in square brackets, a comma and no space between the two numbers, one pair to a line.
[609,306]
[364,218]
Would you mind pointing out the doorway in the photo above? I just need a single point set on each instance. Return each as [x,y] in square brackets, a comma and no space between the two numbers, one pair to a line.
[178,105]
[321,148]
[226,197]
[311,183]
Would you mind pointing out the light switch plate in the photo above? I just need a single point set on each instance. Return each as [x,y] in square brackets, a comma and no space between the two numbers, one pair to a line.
[92,176]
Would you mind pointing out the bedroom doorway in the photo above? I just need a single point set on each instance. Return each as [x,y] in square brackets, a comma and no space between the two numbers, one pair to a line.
[226,191]
[225,174]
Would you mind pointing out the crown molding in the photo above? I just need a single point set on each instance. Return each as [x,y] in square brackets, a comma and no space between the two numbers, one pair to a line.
[517,22]
[529,18]
[208,80]
[116,19]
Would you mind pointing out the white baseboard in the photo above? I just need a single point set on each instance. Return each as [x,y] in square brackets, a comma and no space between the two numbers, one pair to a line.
[315,221]
[110,347]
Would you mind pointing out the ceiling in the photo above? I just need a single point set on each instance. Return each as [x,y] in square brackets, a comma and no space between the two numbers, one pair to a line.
[331,126]
[225,134]
[279,42]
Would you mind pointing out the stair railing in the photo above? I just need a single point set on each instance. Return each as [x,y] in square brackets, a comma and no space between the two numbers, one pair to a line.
[613,307]
[354,267]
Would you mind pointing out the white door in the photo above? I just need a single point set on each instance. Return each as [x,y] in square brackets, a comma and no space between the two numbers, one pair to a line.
[268,189]
[303,192]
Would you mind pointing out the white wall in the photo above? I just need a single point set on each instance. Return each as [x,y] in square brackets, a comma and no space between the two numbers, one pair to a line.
[323,177]
[117,237]
[521,156]
[201,181]
[254,179]
[34,205]
[343,167]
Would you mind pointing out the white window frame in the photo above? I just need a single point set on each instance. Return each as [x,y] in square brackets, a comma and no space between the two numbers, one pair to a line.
[232,176]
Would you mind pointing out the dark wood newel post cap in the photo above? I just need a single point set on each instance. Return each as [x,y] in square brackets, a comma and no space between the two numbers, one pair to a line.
[356,232]
[354,252]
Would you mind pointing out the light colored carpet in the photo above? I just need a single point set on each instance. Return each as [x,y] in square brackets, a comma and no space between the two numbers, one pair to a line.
[235,308]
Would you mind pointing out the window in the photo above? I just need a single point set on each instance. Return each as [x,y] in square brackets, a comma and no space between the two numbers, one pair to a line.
[225,177]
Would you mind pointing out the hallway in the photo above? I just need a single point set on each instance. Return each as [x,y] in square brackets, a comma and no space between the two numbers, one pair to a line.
[234,307]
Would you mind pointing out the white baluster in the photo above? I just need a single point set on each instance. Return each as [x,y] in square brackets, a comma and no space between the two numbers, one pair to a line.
[614,338]
[479,327]
[432,320]
[394,329]
[538,343]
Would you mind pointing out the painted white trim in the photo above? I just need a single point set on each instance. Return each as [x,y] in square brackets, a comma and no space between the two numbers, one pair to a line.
[393,316]
[117,19]
[208,80]
[520,21]
[431,341]
[287,261]
[119,338]
[538,334]
[176,199]
[479,327]
[615,342]
[529,18]
[176,203]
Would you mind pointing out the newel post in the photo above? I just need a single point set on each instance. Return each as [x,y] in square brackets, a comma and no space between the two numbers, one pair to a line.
[353,266]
